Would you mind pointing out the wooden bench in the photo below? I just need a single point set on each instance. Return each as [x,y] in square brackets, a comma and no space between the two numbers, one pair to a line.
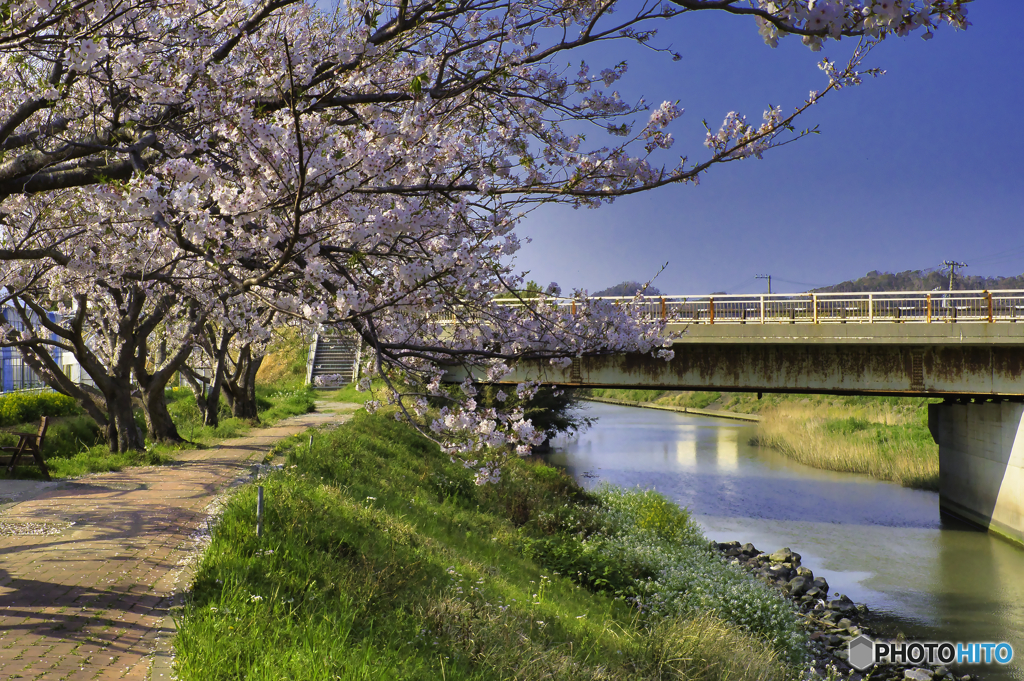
[28,443]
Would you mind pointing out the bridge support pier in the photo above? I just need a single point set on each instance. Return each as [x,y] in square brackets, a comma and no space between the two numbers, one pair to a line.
[981,464]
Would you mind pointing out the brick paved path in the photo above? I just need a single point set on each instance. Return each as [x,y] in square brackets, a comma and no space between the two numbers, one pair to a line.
[90,600]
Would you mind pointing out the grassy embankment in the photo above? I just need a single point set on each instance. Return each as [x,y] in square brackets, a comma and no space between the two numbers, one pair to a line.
[75,446]
[381,559]
[884,437]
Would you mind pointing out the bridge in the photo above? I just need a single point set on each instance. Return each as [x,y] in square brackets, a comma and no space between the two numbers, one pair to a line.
[966,347]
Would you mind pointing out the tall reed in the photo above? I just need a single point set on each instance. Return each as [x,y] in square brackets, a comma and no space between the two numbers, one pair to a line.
[886,441]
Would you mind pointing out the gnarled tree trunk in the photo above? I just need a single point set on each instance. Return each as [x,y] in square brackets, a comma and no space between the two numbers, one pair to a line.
[123,433]
[240,384]
[153,385]
[216,347]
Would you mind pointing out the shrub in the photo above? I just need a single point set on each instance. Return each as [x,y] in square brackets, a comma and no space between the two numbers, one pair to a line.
[16,408]
[645,548]
[70,436]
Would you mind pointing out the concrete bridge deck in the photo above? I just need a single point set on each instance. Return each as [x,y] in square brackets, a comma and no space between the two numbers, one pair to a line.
[952,360]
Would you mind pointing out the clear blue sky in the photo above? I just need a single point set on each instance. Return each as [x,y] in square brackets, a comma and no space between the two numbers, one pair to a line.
[922,164]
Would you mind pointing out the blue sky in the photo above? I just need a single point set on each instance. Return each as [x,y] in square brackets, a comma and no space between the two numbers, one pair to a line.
[922,164]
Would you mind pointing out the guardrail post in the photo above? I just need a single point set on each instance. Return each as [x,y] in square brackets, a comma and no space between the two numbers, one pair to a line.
[989,294]
[762,309]
[814,304]
[572,309]
[663,313]
[711,310]
[928,319]
[871,307]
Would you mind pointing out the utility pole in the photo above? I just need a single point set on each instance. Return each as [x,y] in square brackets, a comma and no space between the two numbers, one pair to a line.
[768,277]
[952,265]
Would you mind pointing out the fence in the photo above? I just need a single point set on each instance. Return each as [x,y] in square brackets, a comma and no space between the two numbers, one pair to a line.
[825,308]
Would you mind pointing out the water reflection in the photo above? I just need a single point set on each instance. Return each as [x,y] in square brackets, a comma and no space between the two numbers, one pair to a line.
[877,542]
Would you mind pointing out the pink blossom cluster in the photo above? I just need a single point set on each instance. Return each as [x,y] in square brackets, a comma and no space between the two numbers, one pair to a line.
[816,20]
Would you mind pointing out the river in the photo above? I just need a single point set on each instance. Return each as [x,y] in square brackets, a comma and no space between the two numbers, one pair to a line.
[878,543]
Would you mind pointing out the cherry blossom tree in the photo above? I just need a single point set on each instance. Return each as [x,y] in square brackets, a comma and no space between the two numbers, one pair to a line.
[110,295]
[231,347]
[367,167]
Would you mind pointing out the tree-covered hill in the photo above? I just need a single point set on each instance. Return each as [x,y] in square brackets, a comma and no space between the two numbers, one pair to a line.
[922,280]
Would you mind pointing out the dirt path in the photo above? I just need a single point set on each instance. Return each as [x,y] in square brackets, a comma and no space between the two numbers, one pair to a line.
[89,567]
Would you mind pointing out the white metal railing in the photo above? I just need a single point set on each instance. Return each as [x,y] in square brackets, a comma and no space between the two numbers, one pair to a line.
[825,308]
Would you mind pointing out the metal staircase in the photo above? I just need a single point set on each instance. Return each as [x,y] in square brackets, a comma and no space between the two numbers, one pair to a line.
[334,354]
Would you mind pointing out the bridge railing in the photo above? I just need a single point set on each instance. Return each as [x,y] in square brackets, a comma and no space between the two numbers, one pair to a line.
[825,308]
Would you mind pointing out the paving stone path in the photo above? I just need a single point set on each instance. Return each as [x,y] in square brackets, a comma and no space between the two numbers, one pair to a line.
[89,567]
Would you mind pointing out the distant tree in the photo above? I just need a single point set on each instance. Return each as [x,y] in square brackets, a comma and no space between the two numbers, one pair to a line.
[629,288]
[532,290]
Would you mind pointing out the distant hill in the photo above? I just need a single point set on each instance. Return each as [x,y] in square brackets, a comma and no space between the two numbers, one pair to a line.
[628,288]
[921,280]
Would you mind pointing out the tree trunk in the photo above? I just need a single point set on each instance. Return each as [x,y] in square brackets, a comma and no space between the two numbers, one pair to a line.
[211,417]
[112,374]
[210,404]
[198,389]
[118,424]
[158,419]
[154,385]
[240,385]
[123,432]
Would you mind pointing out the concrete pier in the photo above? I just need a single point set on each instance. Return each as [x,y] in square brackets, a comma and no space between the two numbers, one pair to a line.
[981,464]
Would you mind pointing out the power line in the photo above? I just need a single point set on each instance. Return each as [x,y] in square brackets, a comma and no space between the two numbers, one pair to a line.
[952,265]
[801,283]
[737,285]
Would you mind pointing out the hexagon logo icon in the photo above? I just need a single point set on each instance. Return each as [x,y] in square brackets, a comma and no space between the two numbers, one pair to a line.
[861,652]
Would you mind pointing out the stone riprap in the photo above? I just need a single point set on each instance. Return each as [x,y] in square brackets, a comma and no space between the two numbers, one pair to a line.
[831,622]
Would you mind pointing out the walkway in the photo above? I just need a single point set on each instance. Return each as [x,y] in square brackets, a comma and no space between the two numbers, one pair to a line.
[88,567]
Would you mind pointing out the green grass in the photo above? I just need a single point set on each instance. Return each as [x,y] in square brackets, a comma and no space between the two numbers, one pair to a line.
[675,398]
[281,404]
[99,459]
[628,395]
[348,393]
[382,560]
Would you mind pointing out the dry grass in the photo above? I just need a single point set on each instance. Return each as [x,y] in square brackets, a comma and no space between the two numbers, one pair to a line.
[885,441]
[707,648]
[285,363]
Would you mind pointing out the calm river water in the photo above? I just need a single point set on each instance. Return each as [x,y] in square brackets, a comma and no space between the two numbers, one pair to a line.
[876,542]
